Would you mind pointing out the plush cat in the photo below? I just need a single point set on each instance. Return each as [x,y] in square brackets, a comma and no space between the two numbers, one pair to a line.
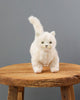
[42,50]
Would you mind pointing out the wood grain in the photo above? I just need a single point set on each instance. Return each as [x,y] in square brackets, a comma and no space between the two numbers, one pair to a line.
[67,93]
[72,92]
[20,93]
[12,93]
[22,75]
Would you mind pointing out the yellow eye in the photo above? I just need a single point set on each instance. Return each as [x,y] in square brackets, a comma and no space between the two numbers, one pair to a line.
[50,42]
[42,42]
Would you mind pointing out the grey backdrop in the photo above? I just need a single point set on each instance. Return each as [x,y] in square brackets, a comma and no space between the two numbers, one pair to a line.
[16,35]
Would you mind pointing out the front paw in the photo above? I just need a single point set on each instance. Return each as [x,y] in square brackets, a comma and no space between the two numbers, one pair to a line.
[54,69]
[37,69]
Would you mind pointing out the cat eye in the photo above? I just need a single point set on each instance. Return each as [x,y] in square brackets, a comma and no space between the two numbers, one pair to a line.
[50,42]
[42,42]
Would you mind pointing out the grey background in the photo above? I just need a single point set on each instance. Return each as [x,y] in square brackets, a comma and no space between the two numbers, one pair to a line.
[16,35]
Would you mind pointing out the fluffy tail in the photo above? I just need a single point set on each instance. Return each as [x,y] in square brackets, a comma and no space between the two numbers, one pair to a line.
[36,24]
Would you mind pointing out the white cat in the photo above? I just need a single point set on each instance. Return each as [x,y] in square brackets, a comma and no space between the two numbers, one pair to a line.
[42,50]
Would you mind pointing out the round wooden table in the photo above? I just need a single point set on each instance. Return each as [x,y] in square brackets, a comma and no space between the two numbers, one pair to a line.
[18,76]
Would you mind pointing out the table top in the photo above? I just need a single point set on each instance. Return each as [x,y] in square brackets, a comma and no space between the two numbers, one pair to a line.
[23,75]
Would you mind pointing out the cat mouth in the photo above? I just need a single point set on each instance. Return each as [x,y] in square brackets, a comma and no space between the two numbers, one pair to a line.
[46,49]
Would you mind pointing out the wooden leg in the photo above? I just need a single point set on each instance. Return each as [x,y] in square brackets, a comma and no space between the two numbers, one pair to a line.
[12,93]
[72,93]
[67,93]
[20,93]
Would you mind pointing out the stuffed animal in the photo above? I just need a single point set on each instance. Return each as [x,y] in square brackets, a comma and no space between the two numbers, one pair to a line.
[42,50]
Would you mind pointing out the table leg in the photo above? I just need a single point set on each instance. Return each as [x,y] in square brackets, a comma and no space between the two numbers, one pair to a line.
[12,93]
[20,93]
[67,93]
[72,93]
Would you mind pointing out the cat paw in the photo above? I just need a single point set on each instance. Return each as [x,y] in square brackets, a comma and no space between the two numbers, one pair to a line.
[37,69]
[54,69]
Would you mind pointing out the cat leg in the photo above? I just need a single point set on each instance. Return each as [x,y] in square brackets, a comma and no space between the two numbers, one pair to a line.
[37,67]
[54,65]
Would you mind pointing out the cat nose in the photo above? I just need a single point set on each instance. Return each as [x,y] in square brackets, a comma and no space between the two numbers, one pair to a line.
[46,45]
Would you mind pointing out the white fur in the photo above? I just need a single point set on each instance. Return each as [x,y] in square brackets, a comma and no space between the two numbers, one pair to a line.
[42,50]
[38,28]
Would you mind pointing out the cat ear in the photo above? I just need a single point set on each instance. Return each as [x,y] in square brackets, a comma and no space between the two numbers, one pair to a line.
[53,33]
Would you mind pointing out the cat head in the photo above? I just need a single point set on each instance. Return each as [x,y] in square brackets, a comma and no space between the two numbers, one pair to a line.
[46,41]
